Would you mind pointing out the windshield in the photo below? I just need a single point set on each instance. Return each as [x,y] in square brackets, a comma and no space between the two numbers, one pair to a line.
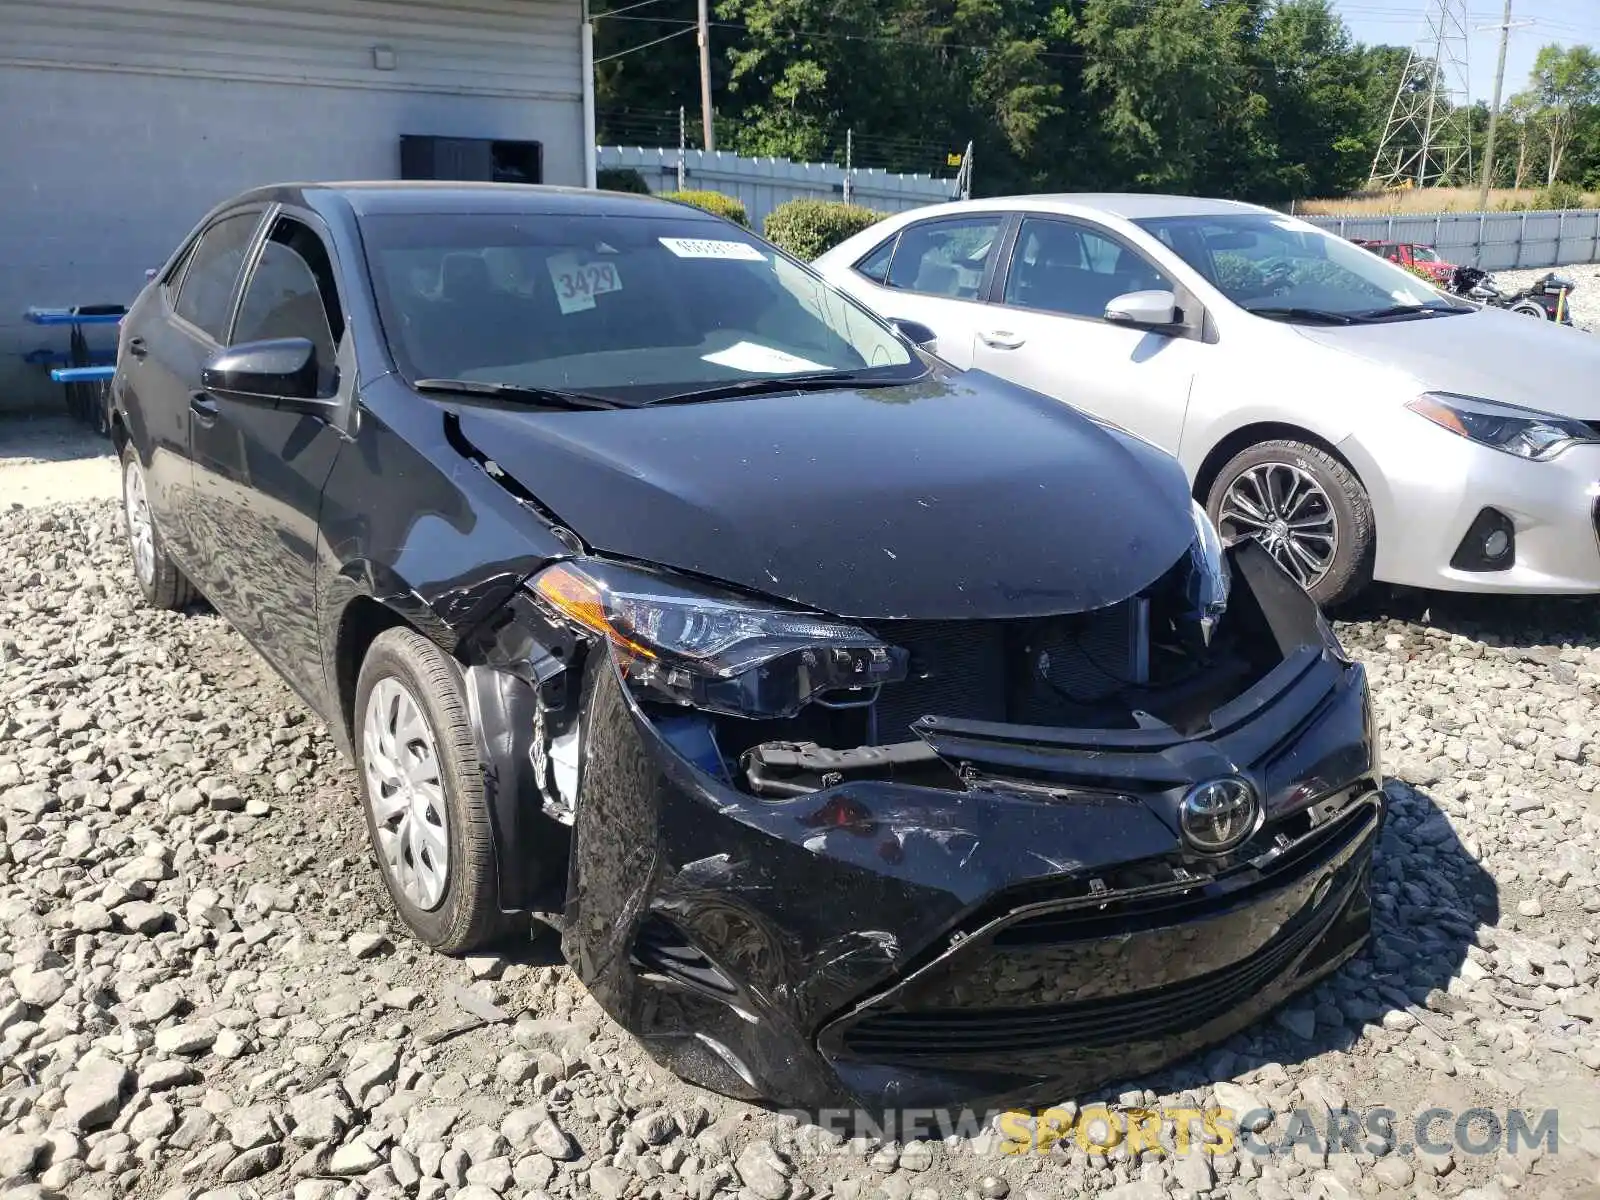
[1281,267]
[627,308]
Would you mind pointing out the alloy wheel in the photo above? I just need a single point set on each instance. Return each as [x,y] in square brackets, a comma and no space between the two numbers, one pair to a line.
[1284,508]
[141,532]
[405,791]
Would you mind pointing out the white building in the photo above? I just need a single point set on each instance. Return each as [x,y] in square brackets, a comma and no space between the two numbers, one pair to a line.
[122,121]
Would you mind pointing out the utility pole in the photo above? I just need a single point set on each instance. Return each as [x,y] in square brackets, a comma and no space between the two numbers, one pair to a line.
[705,73]
[849,164]
[1494,108]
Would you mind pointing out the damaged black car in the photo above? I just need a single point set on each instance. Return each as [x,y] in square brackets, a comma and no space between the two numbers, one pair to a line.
[874,733]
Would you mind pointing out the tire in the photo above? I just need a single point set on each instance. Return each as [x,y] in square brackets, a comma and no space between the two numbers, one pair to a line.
[464,913]
[1348,569]
[161,583]
[1528,308]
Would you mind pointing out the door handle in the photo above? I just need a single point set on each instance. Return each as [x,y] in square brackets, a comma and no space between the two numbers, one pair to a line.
[203,407]
[137,347]
[1002,339]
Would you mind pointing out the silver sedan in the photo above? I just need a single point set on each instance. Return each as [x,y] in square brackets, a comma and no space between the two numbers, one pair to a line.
[1361,424]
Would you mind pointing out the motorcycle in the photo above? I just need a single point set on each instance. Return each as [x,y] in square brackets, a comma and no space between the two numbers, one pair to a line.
[1545,298]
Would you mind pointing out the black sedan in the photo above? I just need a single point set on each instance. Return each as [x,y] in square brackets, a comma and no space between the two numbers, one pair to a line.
[873,732]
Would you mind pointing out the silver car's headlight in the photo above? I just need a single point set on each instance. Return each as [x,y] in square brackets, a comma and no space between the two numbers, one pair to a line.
[1208,571]
[1523,432]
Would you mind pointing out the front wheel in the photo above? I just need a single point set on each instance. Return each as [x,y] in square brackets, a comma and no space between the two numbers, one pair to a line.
[1306,508]
[422,788]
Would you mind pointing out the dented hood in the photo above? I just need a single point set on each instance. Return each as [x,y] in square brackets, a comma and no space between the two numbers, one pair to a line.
[954,497]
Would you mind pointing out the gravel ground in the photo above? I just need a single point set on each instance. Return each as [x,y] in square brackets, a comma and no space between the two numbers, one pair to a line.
[201,993]
[46,459]
[1585,298]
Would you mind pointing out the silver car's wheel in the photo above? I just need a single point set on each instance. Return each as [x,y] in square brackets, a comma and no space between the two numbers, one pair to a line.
[141,533]
[1305,507]
[1287,511]
[406,792]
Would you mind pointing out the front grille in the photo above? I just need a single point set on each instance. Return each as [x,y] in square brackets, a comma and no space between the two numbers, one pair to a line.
[1024,671]
[1186,894]
[1111,1021]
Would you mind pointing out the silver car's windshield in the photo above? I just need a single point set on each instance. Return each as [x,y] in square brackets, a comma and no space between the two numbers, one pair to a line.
[1286,269]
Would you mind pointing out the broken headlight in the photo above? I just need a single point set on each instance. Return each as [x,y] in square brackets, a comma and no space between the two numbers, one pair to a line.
[1208,583]
[682,642]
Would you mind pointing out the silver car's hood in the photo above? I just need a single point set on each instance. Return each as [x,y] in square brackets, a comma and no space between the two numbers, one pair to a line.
[1494,354]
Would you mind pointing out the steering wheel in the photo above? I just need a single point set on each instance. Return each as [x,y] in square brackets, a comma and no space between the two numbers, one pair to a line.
[1277,274]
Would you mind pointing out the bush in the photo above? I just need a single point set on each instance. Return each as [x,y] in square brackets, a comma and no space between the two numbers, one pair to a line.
[1560,195]
[621,179]
[807,228]
[713,202]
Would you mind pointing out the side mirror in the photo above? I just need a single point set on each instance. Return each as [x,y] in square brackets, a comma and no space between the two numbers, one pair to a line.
[918,333]
[282,373]
[1144,310]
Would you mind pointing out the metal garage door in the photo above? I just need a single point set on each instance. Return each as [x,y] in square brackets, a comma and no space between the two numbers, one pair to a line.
[138,115]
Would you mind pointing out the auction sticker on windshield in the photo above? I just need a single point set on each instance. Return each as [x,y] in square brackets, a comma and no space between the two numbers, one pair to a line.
[578,283]
[713,248]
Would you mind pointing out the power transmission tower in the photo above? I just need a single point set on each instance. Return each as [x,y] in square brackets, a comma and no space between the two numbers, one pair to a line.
[1428,140]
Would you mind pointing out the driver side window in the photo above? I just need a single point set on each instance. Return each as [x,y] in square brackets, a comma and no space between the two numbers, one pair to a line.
[1072,269]
[291,293]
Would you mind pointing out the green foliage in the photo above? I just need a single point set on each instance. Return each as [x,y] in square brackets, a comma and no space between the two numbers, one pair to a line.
[1267,100]
[621,179]
[713,202]
[1560,195]
[807,228]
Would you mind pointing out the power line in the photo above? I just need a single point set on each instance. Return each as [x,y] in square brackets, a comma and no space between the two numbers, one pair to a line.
[645,46]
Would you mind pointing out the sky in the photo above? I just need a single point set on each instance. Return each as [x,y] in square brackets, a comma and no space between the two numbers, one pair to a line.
[1399,22]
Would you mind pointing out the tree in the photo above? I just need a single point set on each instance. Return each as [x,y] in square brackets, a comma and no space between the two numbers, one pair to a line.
[1269,100]
[1565,81]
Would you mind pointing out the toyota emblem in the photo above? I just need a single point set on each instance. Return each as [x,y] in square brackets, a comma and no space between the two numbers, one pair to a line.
[1219,814]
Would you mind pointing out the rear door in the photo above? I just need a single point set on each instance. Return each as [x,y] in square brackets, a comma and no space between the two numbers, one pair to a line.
[935,272]
[259,472]
[165,351]
[1046,329]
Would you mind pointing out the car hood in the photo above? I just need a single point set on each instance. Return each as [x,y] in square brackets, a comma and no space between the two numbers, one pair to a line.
[958,496]
[1492,353]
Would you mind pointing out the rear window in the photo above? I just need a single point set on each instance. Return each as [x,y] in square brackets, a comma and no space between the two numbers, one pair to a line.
[633,308]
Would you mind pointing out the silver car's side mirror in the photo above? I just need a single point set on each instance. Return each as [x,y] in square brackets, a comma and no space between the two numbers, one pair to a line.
[1144,310]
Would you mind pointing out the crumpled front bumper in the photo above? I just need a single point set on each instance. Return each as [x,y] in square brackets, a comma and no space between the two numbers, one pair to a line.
[885,946]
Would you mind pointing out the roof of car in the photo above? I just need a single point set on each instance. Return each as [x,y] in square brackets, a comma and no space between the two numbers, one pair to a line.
[1130,205]
[418,196]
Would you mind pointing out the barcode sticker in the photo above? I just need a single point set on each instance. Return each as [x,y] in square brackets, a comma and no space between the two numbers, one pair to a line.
[713,248]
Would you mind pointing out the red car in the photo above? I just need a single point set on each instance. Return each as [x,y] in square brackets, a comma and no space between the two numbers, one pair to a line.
[1410,254]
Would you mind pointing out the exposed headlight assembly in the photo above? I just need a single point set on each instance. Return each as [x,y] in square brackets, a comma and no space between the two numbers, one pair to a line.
[1523,432]
[681,642]
[1208,584]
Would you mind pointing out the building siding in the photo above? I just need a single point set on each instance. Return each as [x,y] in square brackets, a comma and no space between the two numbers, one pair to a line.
[127,119]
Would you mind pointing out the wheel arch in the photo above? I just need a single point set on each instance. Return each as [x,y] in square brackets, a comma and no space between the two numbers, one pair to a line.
[1254,434]
[359,625]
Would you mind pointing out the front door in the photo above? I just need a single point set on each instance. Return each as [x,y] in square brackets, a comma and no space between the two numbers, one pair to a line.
[1047,330]
[259,472]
